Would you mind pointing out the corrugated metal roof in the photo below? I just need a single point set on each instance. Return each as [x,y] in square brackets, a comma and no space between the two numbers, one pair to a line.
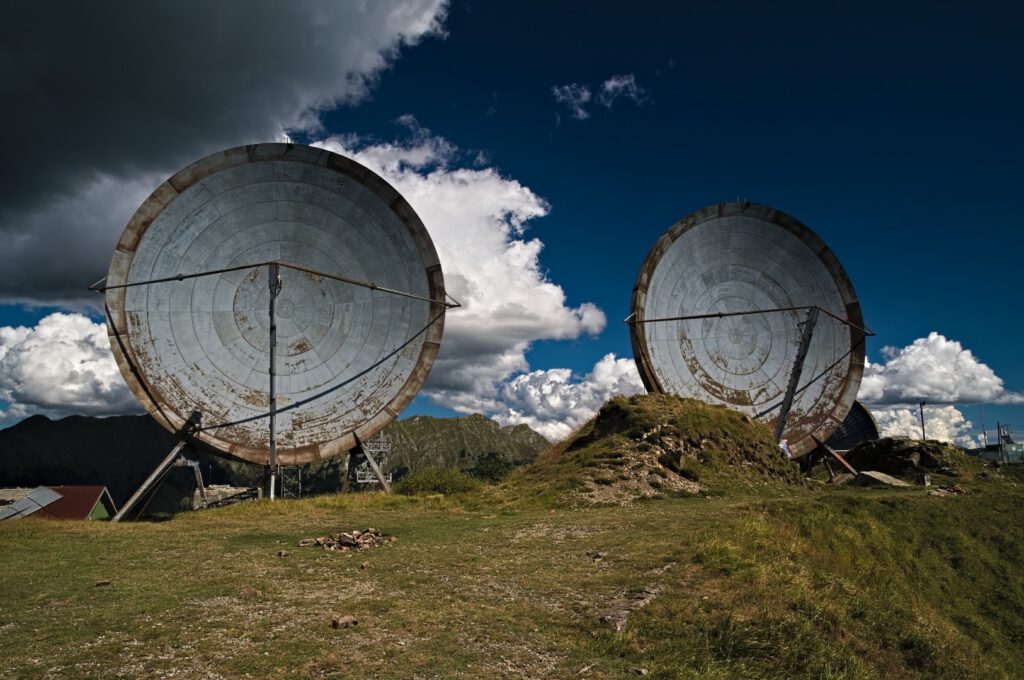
[76,502]
[37,499]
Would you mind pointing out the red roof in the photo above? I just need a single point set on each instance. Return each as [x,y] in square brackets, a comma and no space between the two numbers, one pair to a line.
[76,502]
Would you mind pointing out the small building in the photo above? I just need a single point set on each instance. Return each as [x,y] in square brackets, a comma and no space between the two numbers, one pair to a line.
[62,502]
[81,502]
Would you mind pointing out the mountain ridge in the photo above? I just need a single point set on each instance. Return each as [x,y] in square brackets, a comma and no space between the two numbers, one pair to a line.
[120,451]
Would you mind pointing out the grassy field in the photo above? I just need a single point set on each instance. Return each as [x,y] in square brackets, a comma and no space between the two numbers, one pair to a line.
[768,582]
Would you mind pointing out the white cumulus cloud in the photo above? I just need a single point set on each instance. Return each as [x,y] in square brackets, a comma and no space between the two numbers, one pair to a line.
[944,423]
[552,403]
[61,366]
[933,369]
[477,218]
[940,372]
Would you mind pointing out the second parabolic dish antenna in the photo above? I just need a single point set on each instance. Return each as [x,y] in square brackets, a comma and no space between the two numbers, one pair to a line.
[726,302]
[858,426]
[311,239]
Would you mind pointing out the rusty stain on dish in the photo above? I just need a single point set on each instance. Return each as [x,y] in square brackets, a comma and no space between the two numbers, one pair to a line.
[727,394]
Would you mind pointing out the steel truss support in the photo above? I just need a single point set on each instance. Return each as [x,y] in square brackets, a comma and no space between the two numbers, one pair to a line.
[798,368]
[373,464]
[155,477]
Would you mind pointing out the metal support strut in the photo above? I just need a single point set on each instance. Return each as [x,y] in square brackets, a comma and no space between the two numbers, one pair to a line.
[162,468]
[373,464]
[798,367]
[275,290]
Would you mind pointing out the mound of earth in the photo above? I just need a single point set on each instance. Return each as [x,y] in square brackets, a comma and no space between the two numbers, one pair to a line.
[650,445]
[903,457]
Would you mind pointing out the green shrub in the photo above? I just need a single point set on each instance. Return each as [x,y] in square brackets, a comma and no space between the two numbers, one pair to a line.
[436,481]
[492,467]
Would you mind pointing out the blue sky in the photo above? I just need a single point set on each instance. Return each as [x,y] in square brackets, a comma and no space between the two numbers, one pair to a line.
[892,131]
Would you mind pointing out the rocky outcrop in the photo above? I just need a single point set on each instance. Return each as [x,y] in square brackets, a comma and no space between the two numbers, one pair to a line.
[901,457]
[653,445]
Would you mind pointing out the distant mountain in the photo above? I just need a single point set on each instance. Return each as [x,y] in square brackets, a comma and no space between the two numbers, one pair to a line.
[120,451]
[422,442]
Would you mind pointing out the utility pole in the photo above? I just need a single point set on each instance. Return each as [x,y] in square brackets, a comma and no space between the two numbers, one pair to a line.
[984,435]
[999,439]
[921,406]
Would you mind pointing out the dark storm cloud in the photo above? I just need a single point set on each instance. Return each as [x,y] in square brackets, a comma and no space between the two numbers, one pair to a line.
[102,101]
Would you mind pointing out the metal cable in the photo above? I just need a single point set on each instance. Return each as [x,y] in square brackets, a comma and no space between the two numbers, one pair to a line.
[329,390]
[631,320]
[814,379]
[308,270]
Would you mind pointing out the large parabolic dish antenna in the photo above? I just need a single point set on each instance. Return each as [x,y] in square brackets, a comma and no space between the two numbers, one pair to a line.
[720,310]
[858,426]
[340,257]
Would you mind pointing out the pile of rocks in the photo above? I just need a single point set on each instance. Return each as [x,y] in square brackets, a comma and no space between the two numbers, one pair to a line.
[342,541]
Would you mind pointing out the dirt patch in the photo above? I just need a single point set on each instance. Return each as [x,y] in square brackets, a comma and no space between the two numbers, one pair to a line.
[617,613]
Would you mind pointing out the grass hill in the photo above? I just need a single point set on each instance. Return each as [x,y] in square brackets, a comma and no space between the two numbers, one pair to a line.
[652,445]
[757,574]
[855,583]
